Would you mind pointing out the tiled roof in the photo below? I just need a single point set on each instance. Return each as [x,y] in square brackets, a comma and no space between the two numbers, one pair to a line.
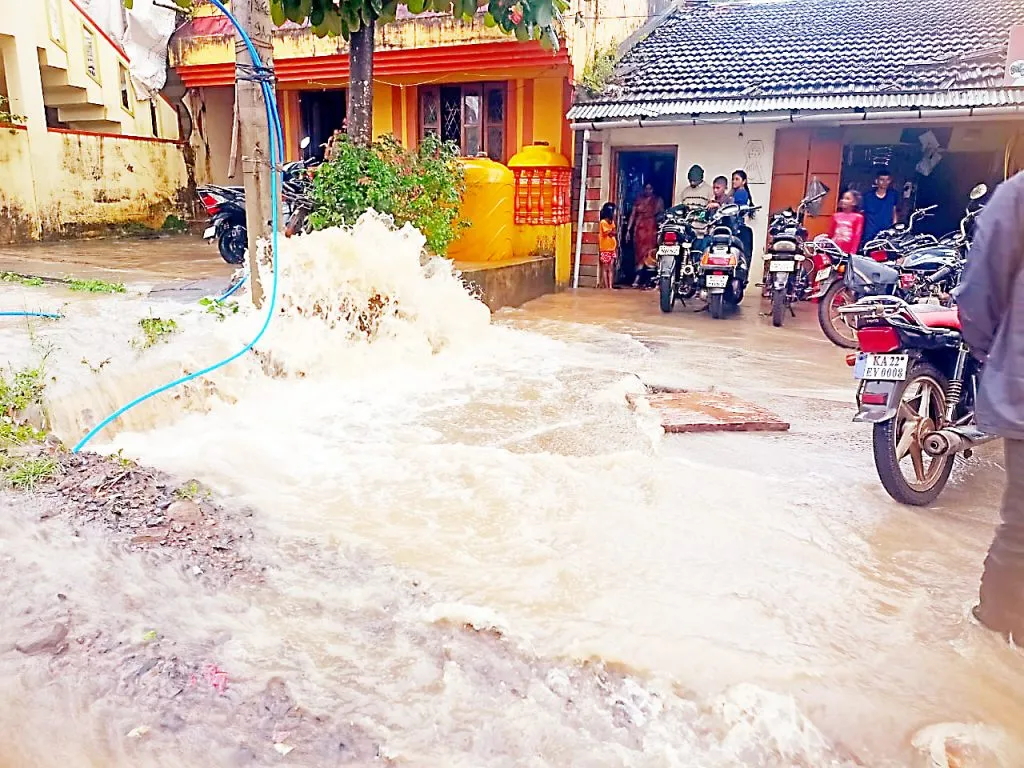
[765,49]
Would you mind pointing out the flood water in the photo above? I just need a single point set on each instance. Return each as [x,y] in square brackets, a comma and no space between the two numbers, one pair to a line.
[785,611]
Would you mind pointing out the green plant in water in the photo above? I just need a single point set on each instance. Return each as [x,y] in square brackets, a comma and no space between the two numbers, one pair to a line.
[174,224]
[423,188]
[26,474]
[191,491]
[14,277]
[220,309]
[599,70]
[94,286]
[19,390]
[155,329]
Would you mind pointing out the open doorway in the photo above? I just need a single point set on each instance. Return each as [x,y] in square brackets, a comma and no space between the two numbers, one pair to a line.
[323,113]
[634,169]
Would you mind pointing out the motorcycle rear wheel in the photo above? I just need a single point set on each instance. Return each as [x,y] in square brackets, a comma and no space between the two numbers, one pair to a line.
[922,399]
[232,244]
[716,305]
[832,323]
[667,294]
[778,306]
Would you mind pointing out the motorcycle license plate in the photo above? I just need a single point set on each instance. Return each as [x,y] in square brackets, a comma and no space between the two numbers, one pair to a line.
[716,281]
[668,250]
[209,232]
[782,266]
[881,367]
[822,274]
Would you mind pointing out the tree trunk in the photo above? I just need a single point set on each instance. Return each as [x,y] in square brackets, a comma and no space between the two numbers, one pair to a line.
[254,132]
[360,86]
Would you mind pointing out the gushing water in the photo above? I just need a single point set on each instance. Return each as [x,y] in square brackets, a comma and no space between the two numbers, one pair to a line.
[474,553]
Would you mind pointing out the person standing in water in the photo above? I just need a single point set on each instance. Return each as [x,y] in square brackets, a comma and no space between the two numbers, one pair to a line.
[608,246]
[991,303]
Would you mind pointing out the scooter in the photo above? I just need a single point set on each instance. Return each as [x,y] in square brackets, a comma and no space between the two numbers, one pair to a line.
[724,269]
[226,208]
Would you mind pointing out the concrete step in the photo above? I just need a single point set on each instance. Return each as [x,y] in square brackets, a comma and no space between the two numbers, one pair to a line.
[77,113]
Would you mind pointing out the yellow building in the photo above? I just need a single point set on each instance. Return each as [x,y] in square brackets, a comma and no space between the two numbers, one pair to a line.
[79,151]
[473,85]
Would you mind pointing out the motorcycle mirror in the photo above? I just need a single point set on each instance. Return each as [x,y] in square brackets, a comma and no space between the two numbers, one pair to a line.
[304,143]
[979,192]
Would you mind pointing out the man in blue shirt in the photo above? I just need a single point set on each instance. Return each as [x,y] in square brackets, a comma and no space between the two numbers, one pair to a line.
[880,206]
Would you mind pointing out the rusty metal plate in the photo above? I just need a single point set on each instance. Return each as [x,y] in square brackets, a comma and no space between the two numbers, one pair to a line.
[709,411]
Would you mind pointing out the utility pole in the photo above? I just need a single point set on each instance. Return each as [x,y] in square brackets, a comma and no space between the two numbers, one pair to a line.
[360,88]
[254,132]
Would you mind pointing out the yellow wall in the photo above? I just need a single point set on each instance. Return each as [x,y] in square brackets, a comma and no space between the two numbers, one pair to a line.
[18,219]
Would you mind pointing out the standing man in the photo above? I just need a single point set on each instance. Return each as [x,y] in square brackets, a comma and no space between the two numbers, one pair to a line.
[880,205]
[991,302]
[698,193]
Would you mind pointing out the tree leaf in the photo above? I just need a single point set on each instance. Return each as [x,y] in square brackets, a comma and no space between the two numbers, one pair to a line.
[316,16]
[367,15]
[522,33]
[277,14]
[377,6]
[416,6]
[128,4]
[489,20]
[543,14]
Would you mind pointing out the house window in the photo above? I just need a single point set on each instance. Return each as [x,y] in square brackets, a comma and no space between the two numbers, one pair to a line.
[55,20]
[126,86]
[92,66]
[471,115]
[154,119]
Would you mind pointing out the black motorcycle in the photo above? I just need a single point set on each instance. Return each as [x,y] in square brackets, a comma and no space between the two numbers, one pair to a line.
[724,269]
[678,259]
[785,270]
[927,274]
[225,206]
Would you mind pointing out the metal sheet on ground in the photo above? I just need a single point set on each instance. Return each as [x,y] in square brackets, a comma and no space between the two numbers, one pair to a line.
[709,411]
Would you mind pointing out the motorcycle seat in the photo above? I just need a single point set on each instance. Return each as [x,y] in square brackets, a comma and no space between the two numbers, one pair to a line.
[934,316]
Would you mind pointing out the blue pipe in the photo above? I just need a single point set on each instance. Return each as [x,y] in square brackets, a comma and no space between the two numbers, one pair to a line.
[48,315]
[276,158]
[231,291]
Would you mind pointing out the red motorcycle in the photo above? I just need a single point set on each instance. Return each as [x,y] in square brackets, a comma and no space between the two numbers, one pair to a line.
[918,387]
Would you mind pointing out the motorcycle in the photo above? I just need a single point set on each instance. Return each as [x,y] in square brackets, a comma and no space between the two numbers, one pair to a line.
[724,269]
[918,388]
[784,259]
[929,273]
[226,207]
[891,244]
[677,256]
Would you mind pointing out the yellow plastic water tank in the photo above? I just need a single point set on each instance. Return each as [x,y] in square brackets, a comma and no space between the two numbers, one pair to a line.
[487,206]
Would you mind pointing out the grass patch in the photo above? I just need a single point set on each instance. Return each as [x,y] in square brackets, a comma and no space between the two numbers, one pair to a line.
[155,330]
[94,286]
[14,277]
[174,224]
[191,491]
[219,309]
[26,474]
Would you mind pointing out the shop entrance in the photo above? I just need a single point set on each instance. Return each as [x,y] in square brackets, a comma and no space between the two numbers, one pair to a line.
[930,165]
[633,170]
[323,113]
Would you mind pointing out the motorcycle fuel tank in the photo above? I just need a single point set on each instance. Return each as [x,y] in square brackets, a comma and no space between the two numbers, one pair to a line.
[931,259]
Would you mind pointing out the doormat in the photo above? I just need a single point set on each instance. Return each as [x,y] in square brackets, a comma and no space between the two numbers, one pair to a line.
[683,411]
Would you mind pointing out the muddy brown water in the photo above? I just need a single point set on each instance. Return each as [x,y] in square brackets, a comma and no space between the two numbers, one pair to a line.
[499,465]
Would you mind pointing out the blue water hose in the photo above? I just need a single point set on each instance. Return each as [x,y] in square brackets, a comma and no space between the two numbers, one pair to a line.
[276,159]
[47,315]
[231,291]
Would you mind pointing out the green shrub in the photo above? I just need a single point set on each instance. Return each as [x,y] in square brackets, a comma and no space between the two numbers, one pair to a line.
[599,70]
[423,188]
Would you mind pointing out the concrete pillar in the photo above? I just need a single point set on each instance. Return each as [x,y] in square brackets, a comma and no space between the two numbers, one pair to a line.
[25,89]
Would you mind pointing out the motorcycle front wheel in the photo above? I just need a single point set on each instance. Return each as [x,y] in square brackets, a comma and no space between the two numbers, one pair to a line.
[716,305]
[907,472]
[832,323]
[667,294]
[778,306]
[232,244]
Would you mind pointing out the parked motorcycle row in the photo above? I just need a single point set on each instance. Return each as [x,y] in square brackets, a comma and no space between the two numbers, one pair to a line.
[917,381]
[226,208]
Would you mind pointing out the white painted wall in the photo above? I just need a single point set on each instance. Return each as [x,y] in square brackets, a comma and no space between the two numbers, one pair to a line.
[718,149]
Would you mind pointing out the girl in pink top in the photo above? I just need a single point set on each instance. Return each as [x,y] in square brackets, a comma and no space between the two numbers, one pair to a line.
[848,223]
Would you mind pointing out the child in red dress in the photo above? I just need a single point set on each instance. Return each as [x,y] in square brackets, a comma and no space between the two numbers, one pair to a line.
[847,227]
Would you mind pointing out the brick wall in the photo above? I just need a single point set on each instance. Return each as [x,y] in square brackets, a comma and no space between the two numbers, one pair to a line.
[592,209]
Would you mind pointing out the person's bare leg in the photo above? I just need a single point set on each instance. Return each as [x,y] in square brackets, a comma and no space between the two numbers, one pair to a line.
[1002,585]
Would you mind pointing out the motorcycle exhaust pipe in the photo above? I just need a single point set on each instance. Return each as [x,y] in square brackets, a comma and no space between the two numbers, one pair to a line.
[955,440]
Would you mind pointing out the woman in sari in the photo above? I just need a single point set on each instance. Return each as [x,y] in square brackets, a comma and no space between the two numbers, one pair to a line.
[643,227]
